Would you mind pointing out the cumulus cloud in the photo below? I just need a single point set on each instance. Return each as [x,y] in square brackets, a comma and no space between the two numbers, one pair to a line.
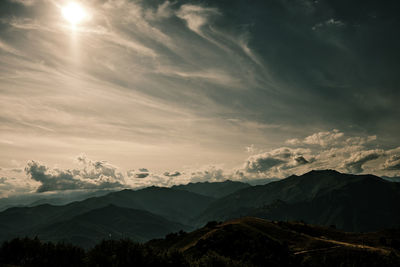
[355,162]
[321,150]
[358,140]
[282,157]
[324,150]
[211,174]
[321,138]
[392,163]
[331,139]
[93,175]
[97,169]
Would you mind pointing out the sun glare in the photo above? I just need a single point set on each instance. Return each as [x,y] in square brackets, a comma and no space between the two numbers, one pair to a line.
[74,13]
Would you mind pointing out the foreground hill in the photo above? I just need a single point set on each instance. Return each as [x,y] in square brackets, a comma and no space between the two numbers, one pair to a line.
[351,202]
[215,190]
[257,242]
[241,242]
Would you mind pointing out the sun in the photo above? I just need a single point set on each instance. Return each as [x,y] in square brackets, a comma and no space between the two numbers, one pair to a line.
[74,13]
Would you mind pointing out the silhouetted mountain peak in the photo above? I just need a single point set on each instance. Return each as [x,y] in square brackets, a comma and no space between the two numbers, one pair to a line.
[323,172]
[352,202]
[214,189]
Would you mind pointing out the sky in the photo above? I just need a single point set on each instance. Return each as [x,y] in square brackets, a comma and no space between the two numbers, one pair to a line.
[153,92]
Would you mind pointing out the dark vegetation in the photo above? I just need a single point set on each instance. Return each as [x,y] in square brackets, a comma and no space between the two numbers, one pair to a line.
[242,242]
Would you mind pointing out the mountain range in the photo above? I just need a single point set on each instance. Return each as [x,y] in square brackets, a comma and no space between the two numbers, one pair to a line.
[350,202]
[357,203]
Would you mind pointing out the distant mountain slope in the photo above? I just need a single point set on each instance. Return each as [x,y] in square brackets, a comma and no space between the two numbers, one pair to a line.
[257,242]
[216,189]
[111,221]
[392,179]
[351,202]
[174,205]
[59,198]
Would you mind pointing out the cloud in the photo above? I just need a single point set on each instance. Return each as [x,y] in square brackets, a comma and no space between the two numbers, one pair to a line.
[196,16]
[163,11]
[97,169]
[323,138]
[332,22]
[141,173]
[24,2]
[135,81]
[331,138]
[301,160]
[355,163]
[359,141]
[324,150]
[284,158]
[392,163]
[94,175]
[173,174]
[211,174]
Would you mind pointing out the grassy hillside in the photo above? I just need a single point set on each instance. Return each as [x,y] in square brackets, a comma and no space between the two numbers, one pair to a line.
[259,242]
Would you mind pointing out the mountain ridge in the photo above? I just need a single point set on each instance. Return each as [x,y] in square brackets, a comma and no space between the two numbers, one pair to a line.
[309,189]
